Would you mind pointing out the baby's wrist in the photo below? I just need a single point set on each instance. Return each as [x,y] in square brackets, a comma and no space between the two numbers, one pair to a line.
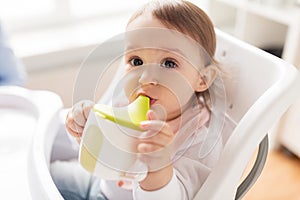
[158,179]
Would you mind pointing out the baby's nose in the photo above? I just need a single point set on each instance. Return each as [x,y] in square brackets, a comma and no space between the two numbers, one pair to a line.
[148,77]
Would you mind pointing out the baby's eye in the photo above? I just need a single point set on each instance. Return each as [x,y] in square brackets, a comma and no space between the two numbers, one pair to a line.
[136,62]
[168,63]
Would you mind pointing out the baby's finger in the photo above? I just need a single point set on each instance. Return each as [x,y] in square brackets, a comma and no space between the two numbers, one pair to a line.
[78,116]
[70,126]
[157,126]
[158,139]
[69,119]
[73,133]
[86,107]
[76,128]
[71,123]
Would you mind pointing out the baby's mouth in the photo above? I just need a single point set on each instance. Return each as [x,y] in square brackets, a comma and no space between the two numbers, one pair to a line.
[152,101]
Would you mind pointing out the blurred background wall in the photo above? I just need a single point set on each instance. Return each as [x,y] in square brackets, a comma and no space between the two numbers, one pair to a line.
[53,37]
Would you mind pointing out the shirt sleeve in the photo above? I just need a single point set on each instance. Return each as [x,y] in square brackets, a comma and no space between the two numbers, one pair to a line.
[173,190]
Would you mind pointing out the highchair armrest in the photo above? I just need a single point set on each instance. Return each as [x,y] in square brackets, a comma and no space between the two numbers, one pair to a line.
[256,169]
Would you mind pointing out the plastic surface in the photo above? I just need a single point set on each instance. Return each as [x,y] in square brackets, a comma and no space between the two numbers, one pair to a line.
[129,116]
[103,137]
[17,125]
[30,122]
[256,170]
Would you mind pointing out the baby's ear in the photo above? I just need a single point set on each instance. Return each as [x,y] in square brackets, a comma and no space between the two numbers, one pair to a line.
[207,75]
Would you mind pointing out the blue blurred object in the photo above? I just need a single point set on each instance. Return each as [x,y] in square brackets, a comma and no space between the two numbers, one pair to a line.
[12,71]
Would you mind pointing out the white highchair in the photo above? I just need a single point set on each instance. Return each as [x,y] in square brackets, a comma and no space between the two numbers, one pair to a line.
[25,114]
[261,90]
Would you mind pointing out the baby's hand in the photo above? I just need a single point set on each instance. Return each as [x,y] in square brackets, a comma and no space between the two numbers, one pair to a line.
[155,144]
[155,149]
[77,117]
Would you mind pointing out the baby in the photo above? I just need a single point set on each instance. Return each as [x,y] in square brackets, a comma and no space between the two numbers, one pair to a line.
[177,72]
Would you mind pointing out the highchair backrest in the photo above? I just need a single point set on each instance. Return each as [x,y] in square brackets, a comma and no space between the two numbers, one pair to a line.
[260,88]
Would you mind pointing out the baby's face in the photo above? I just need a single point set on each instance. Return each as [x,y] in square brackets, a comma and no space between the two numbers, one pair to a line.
[164,76]
[162,66]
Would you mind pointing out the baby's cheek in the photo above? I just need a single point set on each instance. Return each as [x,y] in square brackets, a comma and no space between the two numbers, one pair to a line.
[131,84]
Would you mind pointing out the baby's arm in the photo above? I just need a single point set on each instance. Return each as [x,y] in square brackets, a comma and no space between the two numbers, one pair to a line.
[76,118]
[189,174]
[155,150]
[181,179]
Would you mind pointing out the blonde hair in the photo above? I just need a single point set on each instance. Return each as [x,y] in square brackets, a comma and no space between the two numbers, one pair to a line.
[184,17]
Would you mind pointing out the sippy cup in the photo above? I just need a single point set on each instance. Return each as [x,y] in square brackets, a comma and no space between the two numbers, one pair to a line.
[109,140]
